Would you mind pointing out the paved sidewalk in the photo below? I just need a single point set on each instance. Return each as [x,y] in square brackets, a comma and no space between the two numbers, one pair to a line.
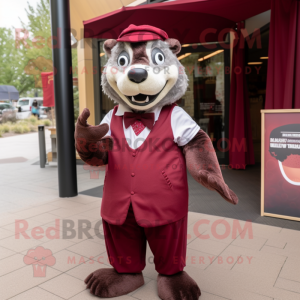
[225,262]
[23,184]
[24,145]
[263,267]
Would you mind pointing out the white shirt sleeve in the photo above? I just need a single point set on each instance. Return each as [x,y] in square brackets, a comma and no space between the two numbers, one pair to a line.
[107,120]
[183,126]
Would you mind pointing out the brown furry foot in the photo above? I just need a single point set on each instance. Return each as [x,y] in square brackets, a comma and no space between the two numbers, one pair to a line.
[179,286]
[108,283]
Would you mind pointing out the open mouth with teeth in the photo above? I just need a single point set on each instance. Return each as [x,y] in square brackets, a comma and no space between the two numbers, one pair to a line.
[142,99]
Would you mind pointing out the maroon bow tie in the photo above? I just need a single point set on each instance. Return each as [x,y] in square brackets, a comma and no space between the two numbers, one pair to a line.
[146,119]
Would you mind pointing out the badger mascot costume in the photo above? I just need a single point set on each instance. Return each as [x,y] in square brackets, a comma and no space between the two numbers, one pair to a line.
[147,143]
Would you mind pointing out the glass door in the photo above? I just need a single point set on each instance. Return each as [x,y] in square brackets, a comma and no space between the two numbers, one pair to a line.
[206,99]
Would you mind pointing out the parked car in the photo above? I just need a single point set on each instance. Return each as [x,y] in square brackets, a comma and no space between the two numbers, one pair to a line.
[44,112]
[7,112]
[25,104]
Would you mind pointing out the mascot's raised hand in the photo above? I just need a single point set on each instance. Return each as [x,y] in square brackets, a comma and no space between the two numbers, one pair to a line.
[155,142]
[91,145]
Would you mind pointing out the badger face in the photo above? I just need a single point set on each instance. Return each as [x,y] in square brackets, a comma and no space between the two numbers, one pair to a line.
[143,75]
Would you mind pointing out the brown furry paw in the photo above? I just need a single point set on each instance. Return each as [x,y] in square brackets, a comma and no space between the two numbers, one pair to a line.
[108,283]
[179,286]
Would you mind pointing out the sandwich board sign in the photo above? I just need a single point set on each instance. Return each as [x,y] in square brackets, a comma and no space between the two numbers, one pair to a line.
[280,174]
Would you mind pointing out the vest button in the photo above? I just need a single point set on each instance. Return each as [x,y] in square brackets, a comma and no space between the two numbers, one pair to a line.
[132,193]
[133,154]
[132,174]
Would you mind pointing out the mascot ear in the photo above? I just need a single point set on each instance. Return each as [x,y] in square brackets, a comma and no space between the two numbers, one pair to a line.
[174,44]
[108,45]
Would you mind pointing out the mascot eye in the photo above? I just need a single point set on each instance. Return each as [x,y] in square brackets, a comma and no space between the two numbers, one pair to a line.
[157,56]
[123,59]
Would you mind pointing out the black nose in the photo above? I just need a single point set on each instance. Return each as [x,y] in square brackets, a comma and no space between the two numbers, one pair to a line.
[137,75]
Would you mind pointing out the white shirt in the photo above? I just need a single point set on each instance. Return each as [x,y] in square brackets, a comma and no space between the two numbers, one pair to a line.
[183,126]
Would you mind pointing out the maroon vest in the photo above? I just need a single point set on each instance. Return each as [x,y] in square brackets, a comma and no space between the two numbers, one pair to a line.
[152,177]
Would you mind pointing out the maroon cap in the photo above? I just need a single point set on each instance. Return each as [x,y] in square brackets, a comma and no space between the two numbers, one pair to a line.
[142,33]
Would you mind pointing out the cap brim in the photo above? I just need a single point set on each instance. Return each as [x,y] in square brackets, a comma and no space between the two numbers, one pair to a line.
[139,37]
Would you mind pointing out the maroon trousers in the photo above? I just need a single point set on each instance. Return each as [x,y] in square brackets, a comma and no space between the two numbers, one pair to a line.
[126,245]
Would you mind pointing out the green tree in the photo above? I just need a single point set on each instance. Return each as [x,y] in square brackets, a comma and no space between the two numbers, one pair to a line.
[22,61]
[39,25]
[12,63]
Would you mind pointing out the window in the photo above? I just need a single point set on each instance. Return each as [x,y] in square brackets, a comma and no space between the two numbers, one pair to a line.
[5,106]
[106,103]
[23,102]
[40,102]
[207,94]
[257,69]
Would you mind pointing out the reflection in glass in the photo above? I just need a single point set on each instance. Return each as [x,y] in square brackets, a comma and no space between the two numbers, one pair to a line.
[205,97]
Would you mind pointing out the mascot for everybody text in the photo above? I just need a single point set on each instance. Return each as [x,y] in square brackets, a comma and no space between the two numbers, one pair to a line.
[146,142]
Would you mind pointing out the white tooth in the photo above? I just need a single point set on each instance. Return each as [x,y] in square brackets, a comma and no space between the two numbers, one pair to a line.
[133,100]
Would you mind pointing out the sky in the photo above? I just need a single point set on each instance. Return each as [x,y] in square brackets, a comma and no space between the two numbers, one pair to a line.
[10,10]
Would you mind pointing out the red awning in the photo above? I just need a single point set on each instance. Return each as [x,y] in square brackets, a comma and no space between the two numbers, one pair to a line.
[184,20]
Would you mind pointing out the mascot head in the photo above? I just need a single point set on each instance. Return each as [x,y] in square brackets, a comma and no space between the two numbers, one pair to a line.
[143,71]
